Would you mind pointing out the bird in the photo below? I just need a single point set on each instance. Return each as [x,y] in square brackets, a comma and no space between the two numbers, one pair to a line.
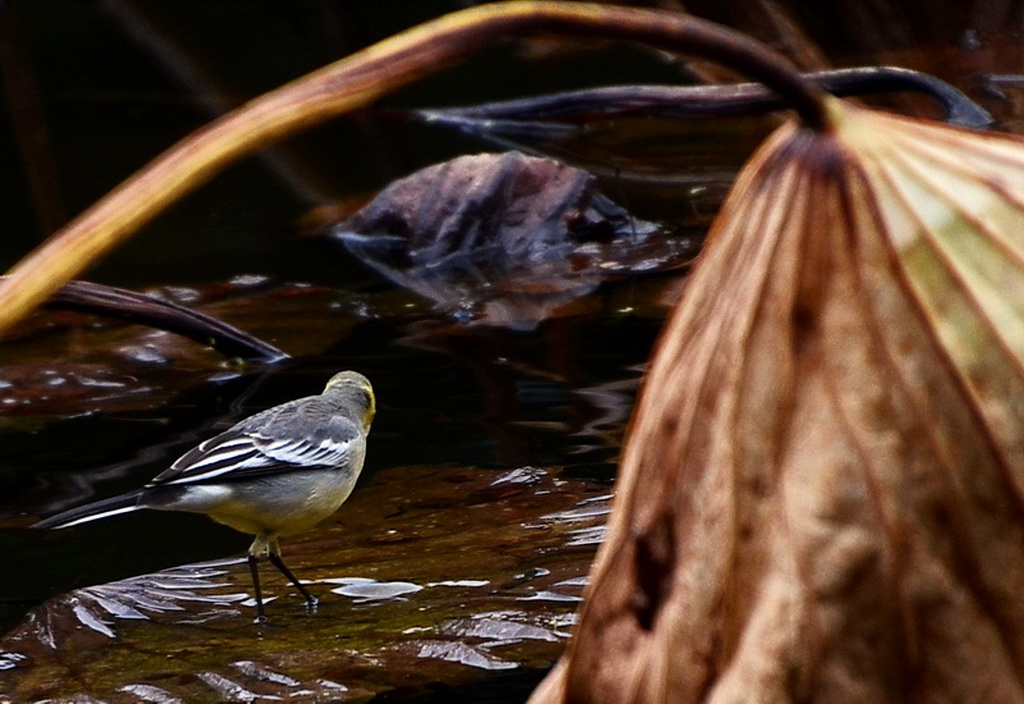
[276,473]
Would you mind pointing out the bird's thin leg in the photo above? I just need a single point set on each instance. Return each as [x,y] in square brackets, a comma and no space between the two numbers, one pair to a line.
[275,559]
[254,561]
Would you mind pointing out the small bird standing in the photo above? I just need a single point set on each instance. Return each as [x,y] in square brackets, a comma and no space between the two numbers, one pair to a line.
[279,472]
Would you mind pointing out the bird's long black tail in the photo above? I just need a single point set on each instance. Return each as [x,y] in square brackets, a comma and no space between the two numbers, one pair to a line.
[92,512]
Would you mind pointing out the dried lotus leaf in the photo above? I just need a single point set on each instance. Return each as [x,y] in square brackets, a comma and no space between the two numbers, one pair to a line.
[821,493]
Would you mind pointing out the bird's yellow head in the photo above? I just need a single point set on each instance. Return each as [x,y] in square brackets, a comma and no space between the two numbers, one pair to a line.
[357,390]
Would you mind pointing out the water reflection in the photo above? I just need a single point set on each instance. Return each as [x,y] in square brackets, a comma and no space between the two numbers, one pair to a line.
[363,589]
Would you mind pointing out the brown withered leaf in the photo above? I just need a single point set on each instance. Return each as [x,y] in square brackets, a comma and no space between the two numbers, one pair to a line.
[822,494]
[506,239]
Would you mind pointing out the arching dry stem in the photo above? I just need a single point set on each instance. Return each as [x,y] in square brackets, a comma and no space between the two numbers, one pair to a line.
[356,81]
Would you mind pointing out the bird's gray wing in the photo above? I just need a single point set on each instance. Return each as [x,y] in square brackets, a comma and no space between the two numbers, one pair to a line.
[290,439]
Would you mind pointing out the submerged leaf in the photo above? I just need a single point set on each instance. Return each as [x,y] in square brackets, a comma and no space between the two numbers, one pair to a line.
[469,548]
[822,495]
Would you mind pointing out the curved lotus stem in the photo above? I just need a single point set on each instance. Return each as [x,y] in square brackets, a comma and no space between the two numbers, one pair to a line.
[355,81]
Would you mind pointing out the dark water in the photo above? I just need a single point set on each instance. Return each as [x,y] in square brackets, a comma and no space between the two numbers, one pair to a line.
[102,101]
[104,86]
